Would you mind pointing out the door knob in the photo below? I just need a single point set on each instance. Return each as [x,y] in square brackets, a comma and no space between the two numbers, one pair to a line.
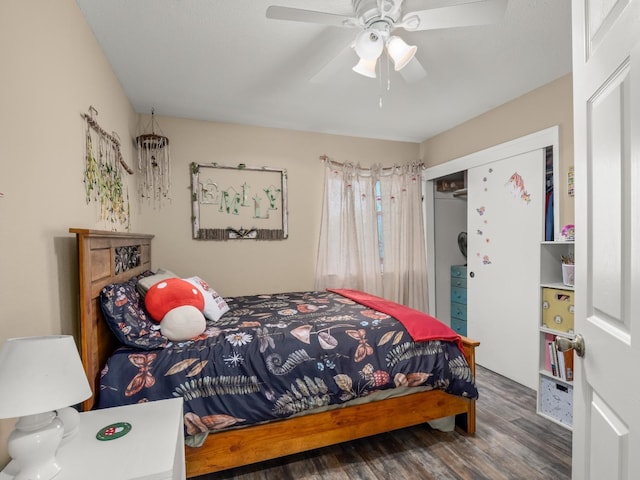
[563,344]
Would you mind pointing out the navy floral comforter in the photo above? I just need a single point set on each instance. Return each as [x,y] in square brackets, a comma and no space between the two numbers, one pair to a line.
[272,356]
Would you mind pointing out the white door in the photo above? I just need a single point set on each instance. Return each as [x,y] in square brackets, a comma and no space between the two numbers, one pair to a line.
[606,56]
[505,204]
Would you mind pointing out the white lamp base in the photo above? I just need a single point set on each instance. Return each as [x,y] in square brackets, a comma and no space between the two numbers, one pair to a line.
[70,421]
[33,444]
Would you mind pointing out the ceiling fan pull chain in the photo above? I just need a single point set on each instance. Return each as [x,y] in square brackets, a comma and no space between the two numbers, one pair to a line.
[380,84]
[388,75]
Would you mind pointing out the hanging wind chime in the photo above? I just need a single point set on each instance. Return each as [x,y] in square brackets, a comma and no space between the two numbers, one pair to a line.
[154,165]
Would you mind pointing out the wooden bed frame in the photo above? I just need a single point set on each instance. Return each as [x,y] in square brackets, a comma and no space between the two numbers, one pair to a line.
[100,263]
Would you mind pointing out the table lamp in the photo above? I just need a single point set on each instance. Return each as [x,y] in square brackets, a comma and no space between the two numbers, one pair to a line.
[40,378]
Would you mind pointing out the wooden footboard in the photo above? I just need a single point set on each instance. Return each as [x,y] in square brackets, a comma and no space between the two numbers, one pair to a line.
[234,448]
[108,257]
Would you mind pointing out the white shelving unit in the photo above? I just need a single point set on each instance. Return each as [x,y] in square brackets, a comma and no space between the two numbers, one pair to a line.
[555,389]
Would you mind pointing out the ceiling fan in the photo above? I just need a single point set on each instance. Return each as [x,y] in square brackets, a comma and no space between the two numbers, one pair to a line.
[378,20]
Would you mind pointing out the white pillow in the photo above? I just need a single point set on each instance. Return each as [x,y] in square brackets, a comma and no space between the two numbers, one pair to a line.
[214,304]
[144,284]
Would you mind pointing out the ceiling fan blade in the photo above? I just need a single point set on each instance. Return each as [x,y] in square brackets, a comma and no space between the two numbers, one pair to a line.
[478,12]
[340,63]
[413,71]
[309,16]
[308,63]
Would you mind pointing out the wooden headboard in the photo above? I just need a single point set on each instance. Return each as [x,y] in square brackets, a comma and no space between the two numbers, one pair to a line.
[104,258]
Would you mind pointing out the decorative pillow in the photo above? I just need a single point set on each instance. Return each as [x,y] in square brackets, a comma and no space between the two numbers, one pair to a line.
[171,293]
[214,304]
[122,308]
[183,323]
[144,284]
[177,305]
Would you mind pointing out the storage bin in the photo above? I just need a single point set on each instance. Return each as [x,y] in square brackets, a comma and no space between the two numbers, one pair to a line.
[556,400]
[557,309]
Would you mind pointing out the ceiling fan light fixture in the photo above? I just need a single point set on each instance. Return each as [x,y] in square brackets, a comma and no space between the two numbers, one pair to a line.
[369,44]
[400,52]
[366,68]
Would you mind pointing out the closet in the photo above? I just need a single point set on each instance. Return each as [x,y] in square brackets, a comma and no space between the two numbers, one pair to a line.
[504,216]
[451,217]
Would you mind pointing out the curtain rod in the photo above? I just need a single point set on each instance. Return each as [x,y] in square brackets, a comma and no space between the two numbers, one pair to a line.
[325,158]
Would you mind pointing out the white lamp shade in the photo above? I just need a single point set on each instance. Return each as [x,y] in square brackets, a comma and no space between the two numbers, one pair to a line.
[40,374]
[400,52]
[366,68]
[369,45]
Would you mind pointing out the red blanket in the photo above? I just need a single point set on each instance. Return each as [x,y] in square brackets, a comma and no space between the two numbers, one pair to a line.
[421,326]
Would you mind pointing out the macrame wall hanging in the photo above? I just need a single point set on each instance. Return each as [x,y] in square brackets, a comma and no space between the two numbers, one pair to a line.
[154,165]
[103,172]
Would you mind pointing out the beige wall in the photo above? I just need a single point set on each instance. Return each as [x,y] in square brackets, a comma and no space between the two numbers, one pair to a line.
[52,70]
[544,107]
[248,266]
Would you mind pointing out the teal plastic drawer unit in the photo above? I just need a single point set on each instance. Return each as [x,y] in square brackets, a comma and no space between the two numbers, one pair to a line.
[459,299]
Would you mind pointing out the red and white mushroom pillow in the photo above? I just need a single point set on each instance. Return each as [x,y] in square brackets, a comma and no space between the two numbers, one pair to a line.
[177,305]
[181,306]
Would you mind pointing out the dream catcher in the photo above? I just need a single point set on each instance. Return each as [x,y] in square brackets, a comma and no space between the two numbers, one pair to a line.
[154,165]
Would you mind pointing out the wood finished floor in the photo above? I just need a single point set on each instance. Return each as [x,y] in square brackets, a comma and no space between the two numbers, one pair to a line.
[511,442]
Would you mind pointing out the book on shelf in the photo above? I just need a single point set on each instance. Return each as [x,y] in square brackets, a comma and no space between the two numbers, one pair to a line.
[562,369]
[553,355]
[560,364]
[568,365]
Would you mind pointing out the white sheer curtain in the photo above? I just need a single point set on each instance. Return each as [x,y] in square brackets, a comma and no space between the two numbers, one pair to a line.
[372,233]
[348,251]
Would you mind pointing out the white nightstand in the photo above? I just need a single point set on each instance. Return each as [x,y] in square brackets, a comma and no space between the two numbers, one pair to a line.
[152,450]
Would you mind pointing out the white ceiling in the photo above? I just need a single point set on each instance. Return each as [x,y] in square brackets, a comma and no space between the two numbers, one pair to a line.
[224,61]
